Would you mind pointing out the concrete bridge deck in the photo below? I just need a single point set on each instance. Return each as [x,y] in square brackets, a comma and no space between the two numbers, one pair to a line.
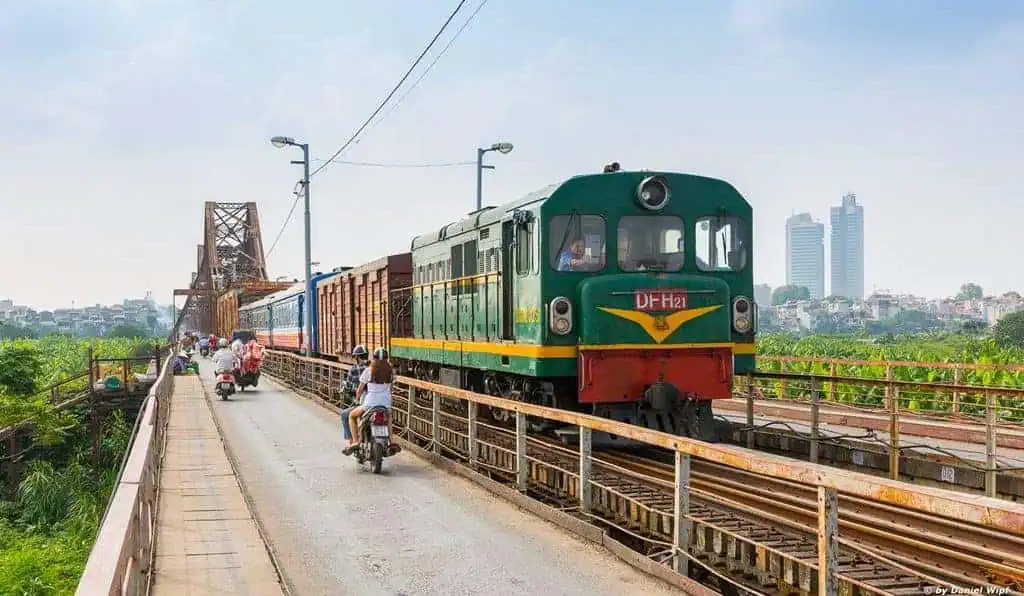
[334,527]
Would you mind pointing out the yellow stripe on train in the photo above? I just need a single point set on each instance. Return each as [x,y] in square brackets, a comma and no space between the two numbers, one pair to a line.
[534,351]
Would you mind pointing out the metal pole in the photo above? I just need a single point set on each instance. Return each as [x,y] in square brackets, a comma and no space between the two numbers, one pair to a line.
[815,420]
[828,540]
[480,178]
[585,468]
[682,523]
[309,264]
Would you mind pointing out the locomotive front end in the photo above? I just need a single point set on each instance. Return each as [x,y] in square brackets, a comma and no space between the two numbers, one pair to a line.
[663,320]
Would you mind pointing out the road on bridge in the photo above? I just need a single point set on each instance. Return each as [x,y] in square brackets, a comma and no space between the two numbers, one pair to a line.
[335,528]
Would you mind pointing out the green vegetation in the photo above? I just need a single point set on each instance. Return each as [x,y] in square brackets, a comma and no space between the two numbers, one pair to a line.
[1009,331]
[928,348]
[48,520]
[970,291]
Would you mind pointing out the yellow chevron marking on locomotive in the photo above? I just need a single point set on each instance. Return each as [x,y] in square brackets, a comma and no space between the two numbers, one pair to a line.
[659,327]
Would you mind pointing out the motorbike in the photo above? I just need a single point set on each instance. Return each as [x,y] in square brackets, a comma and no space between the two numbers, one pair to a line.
[204,351]
[248,375]
[374,439]
[246,378]
[225,384]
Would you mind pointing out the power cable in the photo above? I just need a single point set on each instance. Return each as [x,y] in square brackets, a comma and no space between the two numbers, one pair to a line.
[373,115]
[287,220]
[394,90]
[430,66]
[375,164]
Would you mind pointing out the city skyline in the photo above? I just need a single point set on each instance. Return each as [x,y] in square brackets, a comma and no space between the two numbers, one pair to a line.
[805,251]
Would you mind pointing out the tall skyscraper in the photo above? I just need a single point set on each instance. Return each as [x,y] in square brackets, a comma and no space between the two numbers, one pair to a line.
[847,223]
[805,254]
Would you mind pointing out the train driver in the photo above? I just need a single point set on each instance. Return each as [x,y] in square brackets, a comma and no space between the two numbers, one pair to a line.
[573,258]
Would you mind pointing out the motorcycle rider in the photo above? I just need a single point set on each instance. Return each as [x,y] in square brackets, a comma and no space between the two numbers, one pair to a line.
[351,385]
[361,356]
[375,391]
[204,345]
[224,359]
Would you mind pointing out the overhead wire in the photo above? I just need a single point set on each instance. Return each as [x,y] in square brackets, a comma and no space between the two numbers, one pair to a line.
[394,90]
[375,164]
[380,107]
[426,71]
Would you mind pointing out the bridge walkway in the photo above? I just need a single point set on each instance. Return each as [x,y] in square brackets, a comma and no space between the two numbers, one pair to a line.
[336,528]
[207,540]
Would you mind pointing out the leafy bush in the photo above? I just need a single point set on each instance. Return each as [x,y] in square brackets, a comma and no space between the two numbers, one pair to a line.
[948,349]
[49,521]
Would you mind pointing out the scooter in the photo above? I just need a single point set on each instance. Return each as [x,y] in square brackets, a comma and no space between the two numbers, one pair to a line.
[374,438]
[204,351]
[225,384]
[248,375]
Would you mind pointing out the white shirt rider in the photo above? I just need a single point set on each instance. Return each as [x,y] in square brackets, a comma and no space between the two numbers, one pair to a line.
[377,395]
[224,359]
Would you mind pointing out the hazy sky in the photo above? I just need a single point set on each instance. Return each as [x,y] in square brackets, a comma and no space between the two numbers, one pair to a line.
[120,118]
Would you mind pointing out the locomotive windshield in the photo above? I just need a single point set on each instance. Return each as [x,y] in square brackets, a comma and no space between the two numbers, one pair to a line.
[650,243]
[721,243]
[577,242]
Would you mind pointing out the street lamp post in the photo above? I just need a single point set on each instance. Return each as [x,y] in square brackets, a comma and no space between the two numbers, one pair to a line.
[281,142]
[503,148]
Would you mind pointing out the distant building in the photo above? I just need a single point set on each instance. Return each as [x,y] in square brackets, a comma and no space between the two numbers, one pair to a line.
[847,255]
[882,305]
[805,254]
[763,294]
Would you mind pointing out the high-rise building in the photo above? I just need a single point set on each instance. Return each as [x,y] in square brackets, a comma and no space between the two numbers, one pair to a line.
[847,258]
[805,254]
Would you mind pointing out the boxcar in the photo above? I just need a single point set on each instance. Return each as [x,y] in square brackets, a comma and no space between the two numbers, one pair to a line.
[623,294]
[355,306]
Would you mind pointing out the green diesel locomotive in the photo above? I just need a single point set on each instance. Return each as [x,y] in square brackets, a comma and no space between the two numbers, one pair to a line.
[622,294]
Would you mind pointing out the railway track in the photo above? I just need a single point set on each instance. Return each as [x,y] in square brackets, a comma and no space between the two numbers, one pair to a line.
[757,530]
[750,533]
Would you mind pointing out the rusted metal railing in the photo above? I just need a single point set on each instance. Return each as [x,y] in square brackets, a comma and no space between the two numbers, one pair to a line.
[121,558]
[828,482]
[894,409]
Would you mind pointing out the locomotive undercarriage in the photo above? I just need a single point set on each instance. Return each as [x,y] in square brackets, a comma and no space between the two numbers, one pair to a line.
[662,407]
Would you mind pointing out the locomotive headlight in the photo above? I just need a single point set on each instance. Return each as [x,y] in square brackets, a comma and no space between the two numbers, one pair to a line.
[560,316]
[653,193]
[741,314]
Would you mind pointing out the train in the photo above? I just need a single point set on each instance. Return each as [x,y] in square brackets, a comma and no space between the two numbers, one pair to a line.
[523,301]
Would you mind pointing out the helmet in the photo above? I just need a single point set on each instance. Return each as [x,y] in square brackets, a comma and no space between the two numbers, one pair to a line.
[359,351]
[223,343]
[380,354]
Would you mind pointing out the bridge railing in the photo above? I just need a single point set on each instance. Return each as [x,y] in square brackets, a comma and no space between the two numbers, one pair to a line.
[322,378]
[121,557]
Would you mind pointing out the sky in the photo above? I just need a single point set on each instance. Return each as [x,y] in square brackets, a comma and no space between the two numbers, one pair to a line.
[121,118]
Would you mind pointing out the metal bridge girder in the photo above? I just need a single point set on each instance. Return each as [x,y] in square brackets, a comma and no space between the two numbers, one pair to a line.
[231,255]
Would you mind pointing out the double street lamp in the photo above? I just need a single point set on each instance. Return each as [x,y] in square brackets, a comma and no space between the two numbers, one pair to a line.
[504,148]
[281,142]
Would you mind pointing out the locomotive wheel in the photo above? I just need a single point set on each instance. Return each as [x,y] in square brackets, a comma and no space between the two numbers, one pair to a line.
[705,426]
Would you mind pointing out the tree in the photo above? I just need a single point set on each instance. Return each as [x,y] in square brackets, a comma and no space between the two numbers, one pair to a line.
[914,321]
[20,366]
[784,294]
[1009,331]
[972,327]
[970,291]
[128,332]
